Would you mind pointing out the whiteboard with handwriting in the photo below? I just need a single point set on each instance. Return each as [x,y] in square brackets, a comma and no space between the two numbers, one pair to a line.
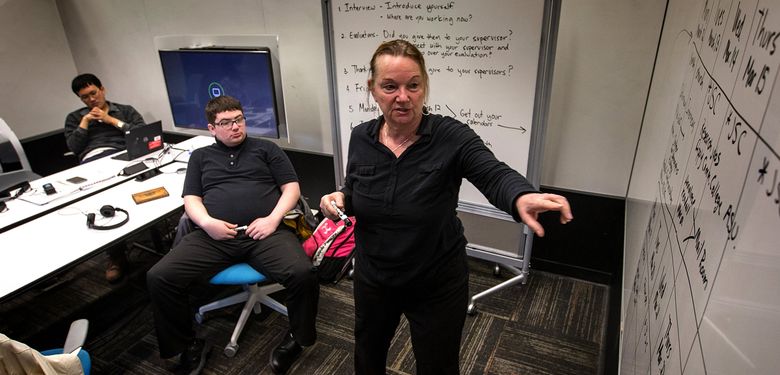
[702,258]
[481,56]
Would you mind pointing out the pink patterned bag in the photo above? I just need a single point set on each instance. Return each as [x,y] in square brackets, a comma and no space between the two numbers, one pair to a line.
[331,249]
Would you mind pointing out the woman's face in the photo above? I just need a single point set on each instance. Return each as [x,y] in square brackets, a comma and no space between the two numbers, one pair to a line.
[398,88]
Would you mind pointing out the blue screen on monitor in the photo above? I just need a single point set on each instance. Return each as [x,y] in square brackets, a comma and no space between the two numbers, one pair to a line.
[193,77]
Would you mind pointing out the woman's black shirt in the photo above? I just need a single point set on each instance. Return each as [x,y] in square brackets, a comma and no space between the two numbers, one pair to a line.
[408,227]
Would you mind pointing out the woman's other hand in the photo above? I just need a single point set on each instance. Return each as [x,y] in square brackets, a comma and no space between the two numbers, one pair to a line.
[326,207]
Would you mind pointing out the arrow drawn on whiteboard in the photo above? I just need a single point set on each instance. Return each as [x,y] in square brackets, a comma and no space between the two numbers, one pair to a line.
[522,129]
[451,111]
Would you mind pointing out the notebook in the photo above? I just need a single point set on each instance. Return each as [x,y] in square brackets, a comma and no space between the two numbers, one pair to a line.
[141,141]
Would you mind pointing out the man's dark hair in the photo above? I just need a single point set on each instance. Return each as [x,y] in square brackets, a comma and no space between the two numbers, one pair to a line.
[83,80]
[221,104]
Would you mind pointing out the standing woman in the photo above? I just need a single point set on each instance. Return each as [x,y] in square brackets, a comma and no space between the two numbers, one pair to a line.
[404,171]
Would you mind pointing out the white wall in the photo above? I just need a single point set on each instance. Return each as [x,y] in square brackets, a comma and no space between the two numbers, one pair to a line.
[36,67]
[605,53]
[603,63]
[115,40]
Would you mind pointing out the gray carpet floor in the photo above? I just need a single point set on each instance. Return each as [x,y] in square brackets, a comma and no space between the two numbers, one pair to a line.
[551,325]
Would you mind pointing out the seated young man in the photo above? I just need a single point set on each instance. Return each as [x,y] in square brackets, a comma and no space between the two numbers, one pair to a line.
[237,181]
[96,130]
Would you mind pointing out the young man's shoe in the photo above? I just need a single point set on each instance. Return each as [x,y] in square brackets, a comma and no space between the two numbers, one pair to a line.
[114,272]
[283,357]
[193,359]
[117,264]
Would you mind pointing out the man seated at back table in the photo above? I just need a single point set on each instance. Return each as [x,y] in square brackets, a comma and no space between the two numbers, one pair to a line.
[235,182]
[98,129]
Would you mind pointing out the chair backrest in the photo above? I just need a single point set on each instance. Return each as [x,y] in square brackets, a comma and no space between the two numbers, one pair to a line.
[77,335]
[20,357]
[12,156]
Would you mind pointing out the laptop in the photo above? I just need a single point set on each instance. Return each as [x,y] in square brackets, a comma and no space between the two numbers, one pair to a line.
[141,141]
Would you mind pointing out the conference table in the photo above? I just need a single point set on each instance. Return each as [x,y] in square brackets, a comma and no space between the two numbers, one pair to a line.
[97,176]
[39,241]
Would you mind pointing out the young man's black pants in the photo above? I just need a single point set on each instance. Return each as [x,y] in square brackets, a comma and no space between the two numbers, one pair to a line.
[279,257]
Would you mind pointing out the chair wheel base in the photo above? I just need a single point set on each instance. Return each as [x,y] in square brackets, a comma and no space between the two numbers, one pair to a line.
[471,310]
[230,350]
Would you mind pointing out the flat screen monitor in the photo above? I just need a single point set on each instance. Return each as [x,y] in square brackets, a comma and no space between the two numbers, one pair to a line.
[193,77]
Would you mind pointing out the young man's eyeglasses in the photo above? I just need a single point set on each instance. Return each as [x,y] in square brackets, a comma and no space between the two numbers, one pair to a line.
[89,95]
[240,120]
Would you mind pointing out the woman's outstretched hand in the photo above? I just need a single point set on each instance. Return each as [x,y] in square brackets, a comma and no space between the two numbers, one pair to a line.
[529,206]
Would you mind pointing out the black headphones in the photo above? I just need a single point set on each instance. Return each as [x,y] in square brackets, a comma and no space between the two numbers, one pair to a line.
[107,211]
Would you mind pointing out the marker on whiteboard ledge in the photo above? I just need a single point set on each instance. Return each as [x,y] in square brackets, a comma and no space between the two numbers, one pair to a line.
[341,214]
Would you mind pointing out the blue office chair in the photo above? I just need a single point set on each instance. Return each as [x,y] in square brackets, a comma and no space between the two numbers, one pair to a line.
[255,295]
[77,334]
[256,290]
